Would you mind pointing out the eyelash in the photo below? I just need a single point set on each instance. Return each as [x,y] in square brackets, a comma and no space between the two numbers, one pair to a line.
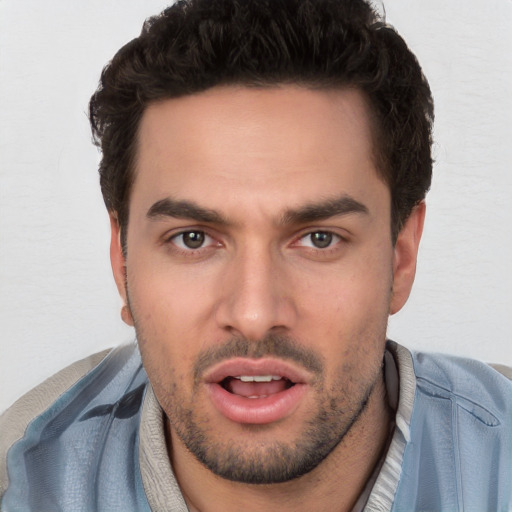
[334,240]
[178,245]
[181,245]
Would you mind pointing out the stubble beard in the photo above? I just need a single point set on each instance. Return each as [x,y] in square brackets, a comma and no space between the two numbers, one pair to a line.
[338,410]
[268,463]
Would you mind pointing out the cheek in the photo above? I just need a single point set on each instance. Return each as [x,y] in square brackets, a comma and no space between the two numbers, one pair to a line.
[166,314]
[371,282]
[346,315]
[354,290]
[170,300]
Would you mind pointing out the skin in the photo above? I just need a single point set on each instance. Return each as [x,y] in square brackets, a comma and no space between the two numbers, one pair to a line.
[257,159]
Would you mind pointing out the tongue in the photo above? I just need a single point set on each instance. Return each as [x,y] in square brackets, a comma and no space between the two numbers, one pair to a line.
[256,388]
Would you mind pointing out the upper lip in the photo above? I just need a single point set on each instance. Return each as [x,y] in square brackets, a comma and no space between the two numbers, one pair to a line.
[264,366]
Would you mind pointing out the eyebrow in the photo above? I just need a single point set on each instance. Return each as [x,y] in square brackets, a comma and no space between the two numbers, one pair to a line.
[184,210]
[343,205]
[313,212]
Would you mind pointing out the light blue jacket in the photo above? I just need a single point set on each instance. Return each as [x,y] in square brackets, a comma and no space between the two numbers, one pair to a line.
[459,455]
[98,444]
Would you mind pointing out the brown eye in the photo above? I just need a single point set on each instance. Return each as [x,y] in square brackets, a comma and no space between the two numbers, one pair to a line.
[190,239]
[193,239]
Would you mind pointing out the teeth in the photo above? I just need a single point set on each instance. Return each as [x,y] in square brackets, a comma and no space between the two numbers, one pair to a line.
[258,378]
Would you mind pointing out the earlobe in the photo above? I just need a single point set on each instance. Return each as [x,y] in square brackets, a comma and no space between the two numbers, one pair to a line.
[405,256]
[118,263]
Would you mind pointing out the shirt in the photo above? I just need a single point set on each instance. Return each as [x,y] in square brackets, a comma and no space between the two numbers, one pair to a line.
[92,438]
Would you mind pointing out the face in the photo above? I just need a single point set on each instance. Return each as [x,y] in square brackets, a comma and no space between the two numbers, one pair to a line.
[260,273]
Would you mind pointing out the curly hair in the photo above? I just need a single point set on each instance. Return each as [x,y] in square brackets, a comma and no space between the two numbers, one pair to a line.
[194,45]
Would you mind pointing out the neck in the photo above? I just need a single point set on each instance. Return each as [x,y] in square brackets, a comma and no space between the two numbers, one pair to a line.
[333,485]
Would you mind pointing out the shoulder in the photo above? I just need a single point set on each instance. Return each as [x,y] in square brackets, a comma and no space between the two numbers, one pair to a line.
[459,442]
[62,417]
[425,378]
[477,391]
[465,381]
[506,371]
[14,421]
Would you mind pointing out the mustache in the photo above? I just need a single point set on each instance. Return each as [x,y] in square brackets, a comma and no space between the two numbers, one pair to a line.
[274,345]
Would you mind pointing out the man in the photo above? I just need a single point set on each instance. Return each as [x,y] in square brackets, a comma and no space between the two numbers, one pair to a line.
[264,166]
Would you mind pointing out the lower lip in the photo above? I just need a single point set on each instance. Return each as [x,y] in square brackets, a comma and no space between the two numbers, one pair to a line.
[256,410]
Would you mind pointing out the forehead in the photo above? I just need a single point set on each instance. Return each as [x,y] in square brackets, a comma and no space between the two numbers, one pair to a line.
[288,141]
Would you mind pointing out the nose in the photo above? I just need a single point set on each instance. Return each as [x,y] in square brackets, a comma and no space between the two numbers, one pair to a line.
[256,296]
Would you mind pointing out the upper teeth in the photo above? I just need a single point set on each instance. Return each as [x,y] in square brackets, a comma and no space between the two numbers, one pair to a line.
[258,378]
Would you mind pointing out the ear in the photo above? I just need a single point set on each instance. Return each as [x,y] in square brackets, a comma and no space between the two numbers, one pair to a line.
[118,263]
[405,256]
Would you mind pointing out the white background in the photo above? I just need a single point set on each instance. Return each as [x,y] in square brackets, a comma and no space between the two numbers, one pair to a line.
[58,302]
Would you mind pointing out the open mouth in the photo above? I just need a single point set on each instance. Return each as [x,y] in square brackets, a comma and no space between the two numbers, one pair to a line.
[256,386]
[254,391]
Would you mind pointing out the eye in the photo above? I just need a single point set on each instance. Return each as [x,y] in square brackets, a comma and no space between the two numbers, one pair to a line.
[192,240]
[319,240]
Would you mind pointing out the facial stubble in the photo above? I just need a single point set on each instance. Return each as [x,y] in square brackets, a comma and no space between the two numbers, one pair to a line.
[255,459]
